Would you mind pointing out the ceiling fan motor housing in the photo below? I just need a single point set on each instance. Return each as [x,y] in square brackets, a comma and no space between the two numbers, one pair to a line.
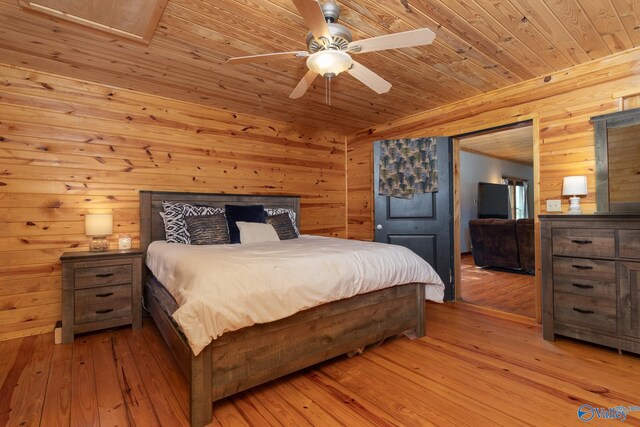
[340,35]
[340,39]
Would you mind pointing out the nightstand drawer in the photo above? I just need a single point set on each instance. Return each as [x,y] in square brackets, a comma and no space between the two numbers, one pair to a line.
[95,304]
[584,242]
[585,287]
[586,268]
[101,276]
[596,313]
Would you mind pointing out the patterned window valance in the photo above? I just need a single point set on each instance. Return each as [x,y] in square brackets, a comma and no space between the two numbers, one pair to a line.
[407,167]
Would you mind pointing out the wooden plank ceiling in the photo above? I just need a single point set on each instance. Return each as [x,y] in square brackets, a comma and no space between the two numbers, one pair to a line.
[514,144]
[480,45]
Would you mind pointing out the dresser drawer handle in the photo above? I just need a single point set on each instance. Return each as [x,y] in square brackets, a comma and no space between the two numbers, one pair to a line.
[582,267]
[582,242]
[104,274]
[107,294]
[579,310]
[109,310]
[578,285]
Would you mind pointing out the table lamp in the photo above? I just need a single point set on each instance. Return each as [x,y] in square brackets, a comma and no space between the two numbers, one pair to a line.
[98,226]
[574,186]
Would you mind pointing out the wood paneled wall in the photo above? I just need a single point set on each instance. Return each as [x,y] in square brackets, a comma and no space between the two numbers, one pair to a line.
[68,148]
[560,104]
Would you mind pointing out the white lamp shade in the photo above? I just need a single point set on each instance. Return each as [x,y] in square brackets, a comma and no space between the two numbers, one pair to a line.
[574,186]
[329,62]
[98,225]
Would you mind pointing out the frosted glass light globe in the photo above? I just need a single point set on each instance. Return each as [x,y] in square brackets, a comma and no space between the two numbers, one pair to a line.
[329,62]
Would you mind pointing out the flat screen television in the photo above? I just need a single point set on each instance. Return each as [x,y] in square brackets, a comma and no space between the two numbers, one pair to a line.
[493,200]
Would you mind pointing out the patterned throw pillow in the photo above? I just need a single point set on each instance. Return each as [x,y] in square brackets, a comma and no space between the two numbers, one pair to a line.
[291,213]
[207,229]
[282,224]
[174,225]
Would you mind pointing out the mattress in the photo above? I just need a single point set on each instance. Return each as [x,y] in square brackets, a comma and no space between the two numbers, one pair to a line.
[222,288]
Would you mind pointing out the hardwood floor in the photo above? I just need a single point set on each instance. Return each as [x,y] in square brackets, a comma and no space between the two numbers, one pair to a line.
[475,367]
[502,290]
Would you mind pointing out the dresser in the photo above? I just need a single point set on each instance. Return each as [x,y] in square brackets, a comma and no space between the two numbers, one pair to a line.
[100,290]
[591,278]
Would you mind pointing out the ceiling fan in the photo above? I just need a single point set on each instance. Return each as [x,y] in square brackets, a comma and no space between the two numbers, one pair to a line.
[330,45]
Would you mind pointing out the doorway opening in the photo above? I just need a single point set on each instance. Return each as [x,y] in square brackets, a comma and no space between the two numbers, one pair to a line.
[494,187]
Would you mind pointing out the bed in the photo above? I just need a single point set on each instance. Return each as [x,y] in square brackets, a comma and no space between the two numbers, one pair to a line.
[253,355]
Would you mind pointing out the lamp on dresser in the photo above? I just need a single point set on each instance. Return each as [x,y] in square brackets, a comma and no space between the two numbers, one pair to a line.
[574,186]
[98,227]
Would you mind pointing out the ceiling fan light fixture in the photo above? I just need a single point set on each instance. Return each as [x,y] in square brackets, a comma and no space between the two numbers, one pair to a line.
[329,62]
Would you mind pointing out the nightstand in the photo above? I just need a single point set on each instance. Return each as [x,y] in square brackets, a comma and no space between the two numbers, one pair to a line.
[100,290]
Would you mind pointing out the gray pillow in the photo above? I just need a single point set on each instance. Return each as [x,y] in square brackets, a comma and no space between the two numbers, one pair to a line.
[283,225]
[291,213]
[208,229]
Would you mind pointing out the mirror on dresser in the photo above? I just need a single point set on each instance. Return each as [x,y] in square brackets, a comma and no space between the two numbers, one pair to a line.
[617,144]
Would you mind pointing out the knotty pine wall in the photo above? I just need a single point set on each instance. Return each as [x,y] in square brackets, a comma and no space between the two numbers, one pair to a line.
[68,148]
[561,105]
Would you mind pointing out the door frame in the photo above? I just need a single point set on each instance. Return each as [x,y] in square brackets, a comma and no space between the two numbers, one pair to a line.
[455,151]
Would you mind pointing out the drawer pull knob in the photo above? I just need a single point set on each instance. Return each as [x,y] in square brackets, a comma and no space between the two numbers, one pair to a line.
[578,285]
[582,242]
[582,267]
[107,294]
[104,274]
[579,310]
[109,310]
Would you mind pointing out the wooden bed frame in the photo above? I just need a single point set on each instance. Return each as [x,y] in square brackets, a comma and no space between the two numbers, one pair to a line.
[254,355]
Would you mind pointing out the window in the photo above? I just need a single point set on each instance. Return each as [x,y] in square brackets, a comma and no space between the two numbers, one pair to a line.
[518,205]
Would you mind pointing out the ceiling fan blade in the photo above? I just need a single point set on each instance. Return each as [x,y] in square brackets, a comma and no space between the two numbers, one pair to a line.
[277,55]
[304,84]
[369,78]
[393,41]
[313,16]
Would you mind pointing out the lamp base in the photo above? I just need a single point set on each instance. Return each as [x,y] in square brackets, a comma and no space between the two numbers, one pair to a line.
[99,244]
[574,206]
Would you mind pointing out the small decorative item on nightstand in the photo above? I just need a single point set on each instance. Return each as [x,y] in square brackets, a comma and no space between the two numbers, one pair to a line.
[124,242]
[100,290]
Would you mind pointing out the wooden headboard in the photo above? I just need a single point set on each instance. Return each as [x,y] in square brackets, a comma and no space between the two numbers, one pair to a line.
[152,226]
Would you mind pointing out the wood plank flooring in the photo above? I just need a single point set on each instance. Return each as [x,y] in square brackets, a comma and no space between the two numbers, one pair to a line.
[502,290]
[475,367]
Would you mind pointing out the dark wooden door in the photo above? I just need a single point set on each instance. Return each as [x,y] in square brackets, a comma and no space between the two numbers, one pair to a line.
[423,224]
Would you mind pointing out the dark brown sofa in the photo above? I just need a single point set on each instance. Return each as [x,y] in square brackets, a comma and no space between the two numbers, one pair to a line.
[503,243]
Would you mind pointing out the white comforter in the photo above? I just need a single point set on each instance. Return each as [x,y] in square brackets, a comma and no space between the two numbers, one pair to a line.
[222,288]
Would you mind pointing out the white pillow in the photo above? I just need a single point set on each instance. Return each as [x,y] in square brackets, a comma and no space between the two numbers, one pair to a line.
[257,232]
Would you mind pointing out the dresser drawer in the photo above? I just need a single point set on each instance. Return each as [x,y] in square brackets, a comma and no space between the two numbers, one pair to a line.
[629,244]
[584,268]
[102,275]
[584,242]
[585,287]
[596,313]
[95,304]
